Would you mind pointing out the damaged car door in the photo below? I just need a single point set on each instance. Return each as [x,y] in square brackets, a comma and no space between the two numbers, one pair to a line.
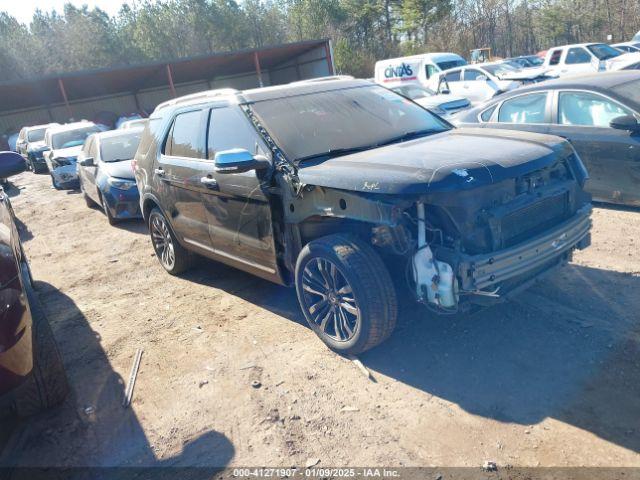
[237,204]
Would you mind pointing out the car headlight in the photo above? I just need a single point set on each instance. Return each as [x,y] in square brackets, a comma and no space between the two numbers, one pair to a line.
[121,183]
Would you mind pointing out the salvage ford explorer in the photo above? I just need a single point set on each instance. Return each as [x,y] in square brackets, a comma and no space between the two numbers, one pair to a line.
[354,194]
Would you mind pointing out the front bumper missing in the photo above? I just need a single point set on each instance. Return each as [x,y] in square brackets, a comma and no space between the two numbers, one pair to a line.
[488,271]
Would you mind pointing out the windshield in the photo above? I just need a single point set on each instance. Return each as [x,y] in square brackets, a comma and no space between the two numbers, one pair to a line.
[534,61]
[603,51]
[500,69]
[451,64]
[122,147]
[36,135]
[630,90]
[354,118]
[72,138]
[414,92]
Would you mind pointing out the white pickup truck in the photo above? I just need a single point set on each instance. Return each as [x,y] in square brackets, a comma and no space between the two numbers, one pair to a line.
[585,58]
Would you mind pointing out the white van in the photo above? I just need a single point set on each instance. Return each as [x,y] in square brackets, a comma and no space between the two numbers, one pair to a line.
[416,68]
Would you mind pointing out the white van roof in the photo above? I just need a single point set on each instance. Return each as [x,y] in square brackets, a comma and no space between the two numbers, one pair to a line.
[434,57]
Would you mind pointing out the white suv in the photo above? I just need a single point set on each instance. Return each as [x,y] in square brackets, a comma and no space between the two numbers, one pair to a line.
[584,58]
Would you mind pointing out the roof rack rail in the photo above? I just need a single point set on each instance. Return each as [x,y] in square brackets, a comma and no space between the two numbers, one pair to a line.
[197,96]
[324,79]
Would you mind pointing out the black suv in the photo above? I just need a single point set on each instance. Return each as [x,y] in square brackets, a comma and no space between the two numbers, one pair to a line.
[338,186]
[32,375]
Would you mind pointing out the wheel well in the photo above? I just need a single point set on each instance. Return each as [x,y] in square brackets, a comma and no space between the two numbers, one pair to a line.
[318,226]
[147,206]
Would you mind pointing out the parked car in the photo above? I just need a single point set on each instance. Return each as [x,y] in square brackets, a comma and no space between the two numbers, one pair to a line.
[627,47]
[348,192]
[64,144]
[482,81]
[106,176]
[582,58]
[525,61]
[443,104]
[415,68]
[32,375]
[597,113]
[31,146]
[137,123]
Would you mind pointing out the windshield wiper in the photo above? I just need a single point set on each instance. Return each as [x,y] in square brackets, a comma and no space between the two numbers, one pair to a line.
[409,136]
[336,152]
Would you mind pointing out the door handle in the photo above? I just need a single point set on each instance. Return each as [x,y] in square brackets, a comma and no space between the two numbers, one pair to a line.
[159,171]
[209,182]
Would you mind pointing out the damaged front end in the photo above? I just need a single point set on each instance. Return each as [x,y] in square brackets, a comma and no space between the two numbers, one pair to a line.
[456,248]
[480,246]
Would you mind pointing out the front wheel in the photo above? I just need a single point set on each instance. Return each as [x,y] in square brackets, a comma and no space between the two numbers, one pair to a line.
[172,256]
[346,293]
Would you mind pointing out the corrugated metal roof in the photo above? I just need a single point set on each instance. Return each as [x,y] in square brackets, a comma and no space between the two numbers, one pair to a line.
[34,92]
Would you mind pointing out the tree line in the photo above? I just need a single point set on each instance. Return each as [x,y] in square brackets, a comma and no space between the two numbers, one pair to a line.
[362,31]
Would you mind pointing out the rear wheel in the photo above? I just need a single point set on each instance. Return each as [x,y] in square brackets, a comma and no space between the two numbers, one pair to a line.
[346,293]
[47,386]
[172,256]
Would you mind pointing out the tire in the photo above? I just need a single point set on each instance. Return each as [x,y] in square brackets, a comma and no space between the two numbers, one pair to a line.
[48,385]
[112,220]
[358,305]
[54,183]
[173,257]
[90,203]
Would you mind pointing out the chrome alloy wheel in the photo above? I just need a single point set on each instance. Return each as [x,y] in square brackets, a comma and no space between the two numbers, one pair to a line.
[163,242]
[329,300]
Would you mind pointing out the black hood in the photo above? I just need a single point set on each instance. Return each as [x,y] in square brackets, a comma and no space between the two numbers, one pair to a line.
[121,169]
[453,160]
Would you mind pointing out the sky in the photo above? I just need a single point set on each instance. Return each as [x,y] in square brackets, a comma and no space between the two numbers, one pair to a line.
[23,9]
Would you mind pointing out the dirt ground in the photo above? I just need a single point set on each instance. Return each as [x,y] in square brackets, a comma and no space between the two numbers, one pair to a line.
[549,379]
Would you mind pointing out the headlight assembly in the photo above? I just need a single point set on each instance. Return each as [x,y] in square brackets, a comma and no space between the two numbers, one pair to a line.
[121,183]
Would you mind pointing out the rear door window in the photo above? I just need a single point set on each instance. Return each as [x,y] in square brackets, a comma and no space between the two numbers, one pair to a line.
[185,138]
[524,109]
[430,70]
[473,74]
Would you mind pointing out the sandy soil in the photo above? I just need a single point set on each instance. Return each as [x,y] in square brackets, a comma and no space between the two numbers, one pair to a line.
[551,378]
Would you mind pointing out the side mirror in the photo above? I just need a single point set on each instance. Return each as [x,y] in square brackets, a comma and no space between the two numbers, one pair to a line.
[482,78]
[238,160]
[625,122]
[445,91]
[11,163]
[87,162]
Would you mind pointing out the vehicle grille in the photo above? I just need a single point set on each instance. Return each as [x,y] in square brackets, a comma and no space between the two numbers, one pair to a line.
[529,221]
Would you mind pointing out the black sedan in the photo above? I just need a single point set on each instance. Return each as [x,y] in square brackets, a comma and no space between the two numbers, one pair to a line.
[597,113]
[31,371]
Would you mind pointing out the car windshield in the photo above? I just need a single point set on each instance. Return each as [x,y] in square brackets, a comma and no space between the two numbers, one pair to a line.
[414,92]
[500,69]
[122,147]
[451,64]
[534,61]
[36,135]
[630,90]
[603,51]
[339,121]
[72,138]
